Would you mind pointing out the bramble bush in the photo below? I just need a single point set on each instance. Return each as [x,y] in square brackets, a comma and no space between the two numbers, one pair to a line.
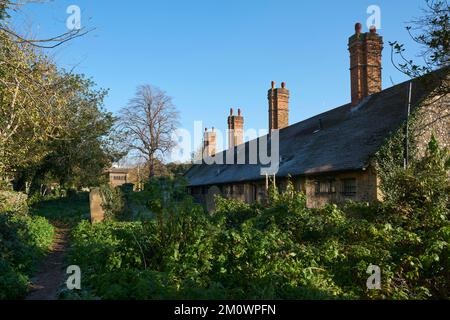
[282,250]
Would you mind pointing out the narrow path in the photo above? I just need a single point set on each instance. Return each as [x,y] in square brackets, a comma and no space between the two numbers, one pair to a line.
[48,280]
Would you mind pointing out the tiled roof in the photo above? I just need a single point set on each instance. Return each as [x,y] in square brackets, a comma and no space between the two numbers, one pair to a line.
[341,139]
[118,170]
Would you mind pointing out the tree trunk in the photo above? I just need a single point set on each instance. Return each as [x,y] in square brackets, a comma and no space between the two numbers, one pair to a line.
[151,167]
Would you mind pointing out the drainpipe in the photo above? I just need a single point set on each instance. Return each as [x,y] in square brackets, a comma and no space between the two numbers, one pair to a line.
[406,159]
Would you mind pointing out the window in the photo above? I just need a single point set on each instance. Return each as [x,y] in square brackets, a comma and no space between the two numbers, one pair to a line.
[349,187]
[325,186]
[298,186]
[120,178]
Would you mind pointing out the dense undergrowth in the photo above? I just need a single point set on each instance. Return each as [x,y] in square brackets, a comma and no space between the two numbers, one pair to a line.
[279,250]
[24,241]
[69,210]
[284,251]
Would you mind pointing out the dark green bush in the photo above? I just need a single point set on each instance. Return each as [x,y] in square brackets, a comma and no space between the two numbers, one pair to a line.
[281,250]
[24,241]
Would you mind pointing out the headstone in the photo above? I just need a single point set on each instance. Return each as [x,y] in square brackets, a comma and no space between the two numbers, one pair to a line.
[95,201]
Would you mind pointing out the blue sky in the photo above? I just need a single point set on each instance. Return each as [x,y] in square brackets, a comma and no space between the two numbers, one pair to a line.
[210,55]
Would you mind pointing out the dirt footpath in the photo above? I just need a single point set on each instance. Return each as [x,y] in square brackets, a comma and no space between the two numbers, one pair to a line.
[52,274]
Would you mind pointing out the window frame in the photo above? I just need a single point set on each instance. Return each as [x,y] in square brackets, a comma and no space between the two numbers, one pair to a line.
[330,186]
[349,191]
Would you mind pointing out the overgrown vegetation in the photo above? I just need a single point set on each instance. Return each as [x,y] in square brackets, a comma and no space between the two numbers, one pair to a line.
[280,251]
[159,244]
[68,210]
[24,241]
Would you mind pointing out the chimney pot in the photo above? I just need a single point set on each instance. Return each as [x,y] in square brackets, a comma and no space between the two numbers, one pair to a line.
[231,111]
[358,28]
[273,84]
[235,130]
[365,64]
[278,108]
[209,143]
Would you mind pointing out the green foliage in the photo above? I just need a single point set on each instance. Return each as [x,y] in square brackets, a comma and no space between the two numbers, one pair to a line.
[68,210]
[24,241]
[282,250]
[80,155]
[114,202]
[417,200]
[53,126]
[420,191]
[13,202]
[177,170]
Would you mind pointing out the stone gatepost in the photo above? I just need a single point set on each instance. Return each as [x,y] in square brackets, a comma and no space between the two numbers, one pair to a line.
[95,201]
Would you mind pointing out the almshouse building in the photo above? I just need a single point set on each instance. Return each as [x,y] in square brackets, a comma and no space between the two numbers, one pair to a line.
[329,157]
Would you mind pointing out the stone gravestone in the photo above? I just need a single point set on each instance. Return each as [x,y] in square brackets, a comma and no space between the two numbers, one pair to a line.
[95,201]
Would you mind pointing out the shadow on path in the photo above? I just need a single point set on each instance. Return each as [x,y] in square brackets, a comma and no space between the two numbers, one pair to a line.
[51,275]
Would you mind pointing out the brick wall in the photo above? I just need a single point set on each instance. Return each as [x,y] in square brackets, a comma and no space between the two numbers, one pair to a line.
[365,182]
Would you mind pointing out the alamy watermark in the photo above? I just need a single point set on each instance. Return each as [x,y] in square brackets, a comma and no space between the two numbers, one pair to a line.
[374,281]
[263,150]
[73,22]
[74,280]
[374,20]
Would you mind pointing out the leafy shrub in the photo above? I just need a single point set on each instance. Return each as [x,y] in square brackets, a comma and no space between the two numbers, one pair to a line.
[67,210]
[114,202]
[261,253]
[281,250]
[24,241]
[127,188]
[13,202]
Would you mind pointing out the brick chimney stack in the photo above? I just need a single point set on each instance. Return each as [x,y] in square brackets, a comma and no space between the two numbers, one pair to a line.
[365,63]
[235,129]
[209,142]
[278,107]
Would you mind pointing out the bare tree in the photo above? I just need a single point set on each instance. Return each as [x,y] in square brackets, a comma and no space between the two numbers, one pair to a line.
[147,123]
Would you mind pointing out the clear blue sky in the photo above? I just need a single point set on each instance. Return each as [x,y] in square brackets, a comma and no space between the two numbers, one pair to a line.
[210,55]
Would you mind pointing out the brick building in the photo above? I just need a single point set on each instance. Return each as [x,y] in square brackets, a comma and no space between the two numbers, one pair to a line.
[329,156]
[118,176]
